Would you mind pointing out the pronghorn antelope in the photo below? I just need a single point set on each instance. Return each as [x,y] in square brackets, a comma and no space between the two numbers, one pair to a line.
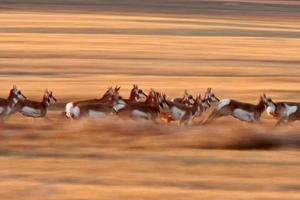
[187,99]
[7,106]
[242,111]
[36,109]
[134,96]
[96,110]
[180,112]
[283,111]
[105,98]
[142,110]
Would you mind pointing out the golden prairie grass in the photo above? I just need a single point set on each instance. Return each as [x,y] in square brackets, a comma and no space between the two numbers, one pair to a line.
[113,158]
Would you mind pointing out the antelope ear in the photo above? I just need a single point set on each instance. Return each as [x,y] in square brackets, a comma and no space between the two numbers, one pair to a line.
[208,90]
[118,88]
[185,92]
[46,91]
[264,95]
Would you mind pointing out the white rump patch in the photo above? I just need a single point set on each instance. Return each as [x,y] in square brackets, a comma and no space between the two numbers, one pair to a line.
[290,109]
[177,113]
[69,108]
[223,103]
[140,114]
[243,115]
[96,114]
[31,112]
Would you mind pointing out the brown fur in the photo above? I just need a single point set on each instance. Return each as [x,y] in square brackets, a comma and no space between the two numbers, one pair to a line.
[257,110]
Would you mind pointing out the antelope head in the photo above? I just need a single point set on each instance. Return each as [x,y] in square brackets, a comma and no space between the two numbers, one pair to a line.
[187,99]
[16,94]
[164,104]
[210,96]
[107,95]
[153,96]
[49,97]
[198,104]
[137,93]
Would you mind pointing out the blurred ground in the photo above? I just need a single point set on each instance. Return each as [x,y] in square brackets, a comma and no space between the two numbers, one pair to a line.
[240,48]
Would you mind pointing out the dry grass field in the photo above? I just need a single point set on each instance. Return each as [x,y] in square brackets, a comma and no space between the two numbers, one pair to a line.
[240,48]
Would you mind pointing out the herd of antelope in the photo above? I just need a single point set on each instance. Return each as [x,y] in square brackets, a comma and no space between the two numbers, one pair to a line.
[155,106]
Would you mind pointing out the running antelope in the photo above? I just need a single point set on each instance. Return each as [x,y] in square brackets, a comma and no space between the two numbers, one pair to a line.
[134,96]
[204,104]
[96,110]
[7,106]
[69,111]
[242,111]
[283,111]
[187,99]
[142,110]
[36,109]
[180,112]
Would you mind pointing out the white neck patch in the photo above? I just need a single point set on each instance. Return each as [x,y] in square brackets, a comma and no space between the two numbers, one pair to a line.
[15,100]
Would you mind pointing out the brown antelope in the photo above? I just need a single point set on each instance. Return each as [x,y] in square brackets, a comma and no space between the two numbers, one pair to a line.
[7,106]
[283,111]
[180,112]
[242,111]
[36,109]
[134,96]
[96,110]
[69,112]
[142,110]
[187,99]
